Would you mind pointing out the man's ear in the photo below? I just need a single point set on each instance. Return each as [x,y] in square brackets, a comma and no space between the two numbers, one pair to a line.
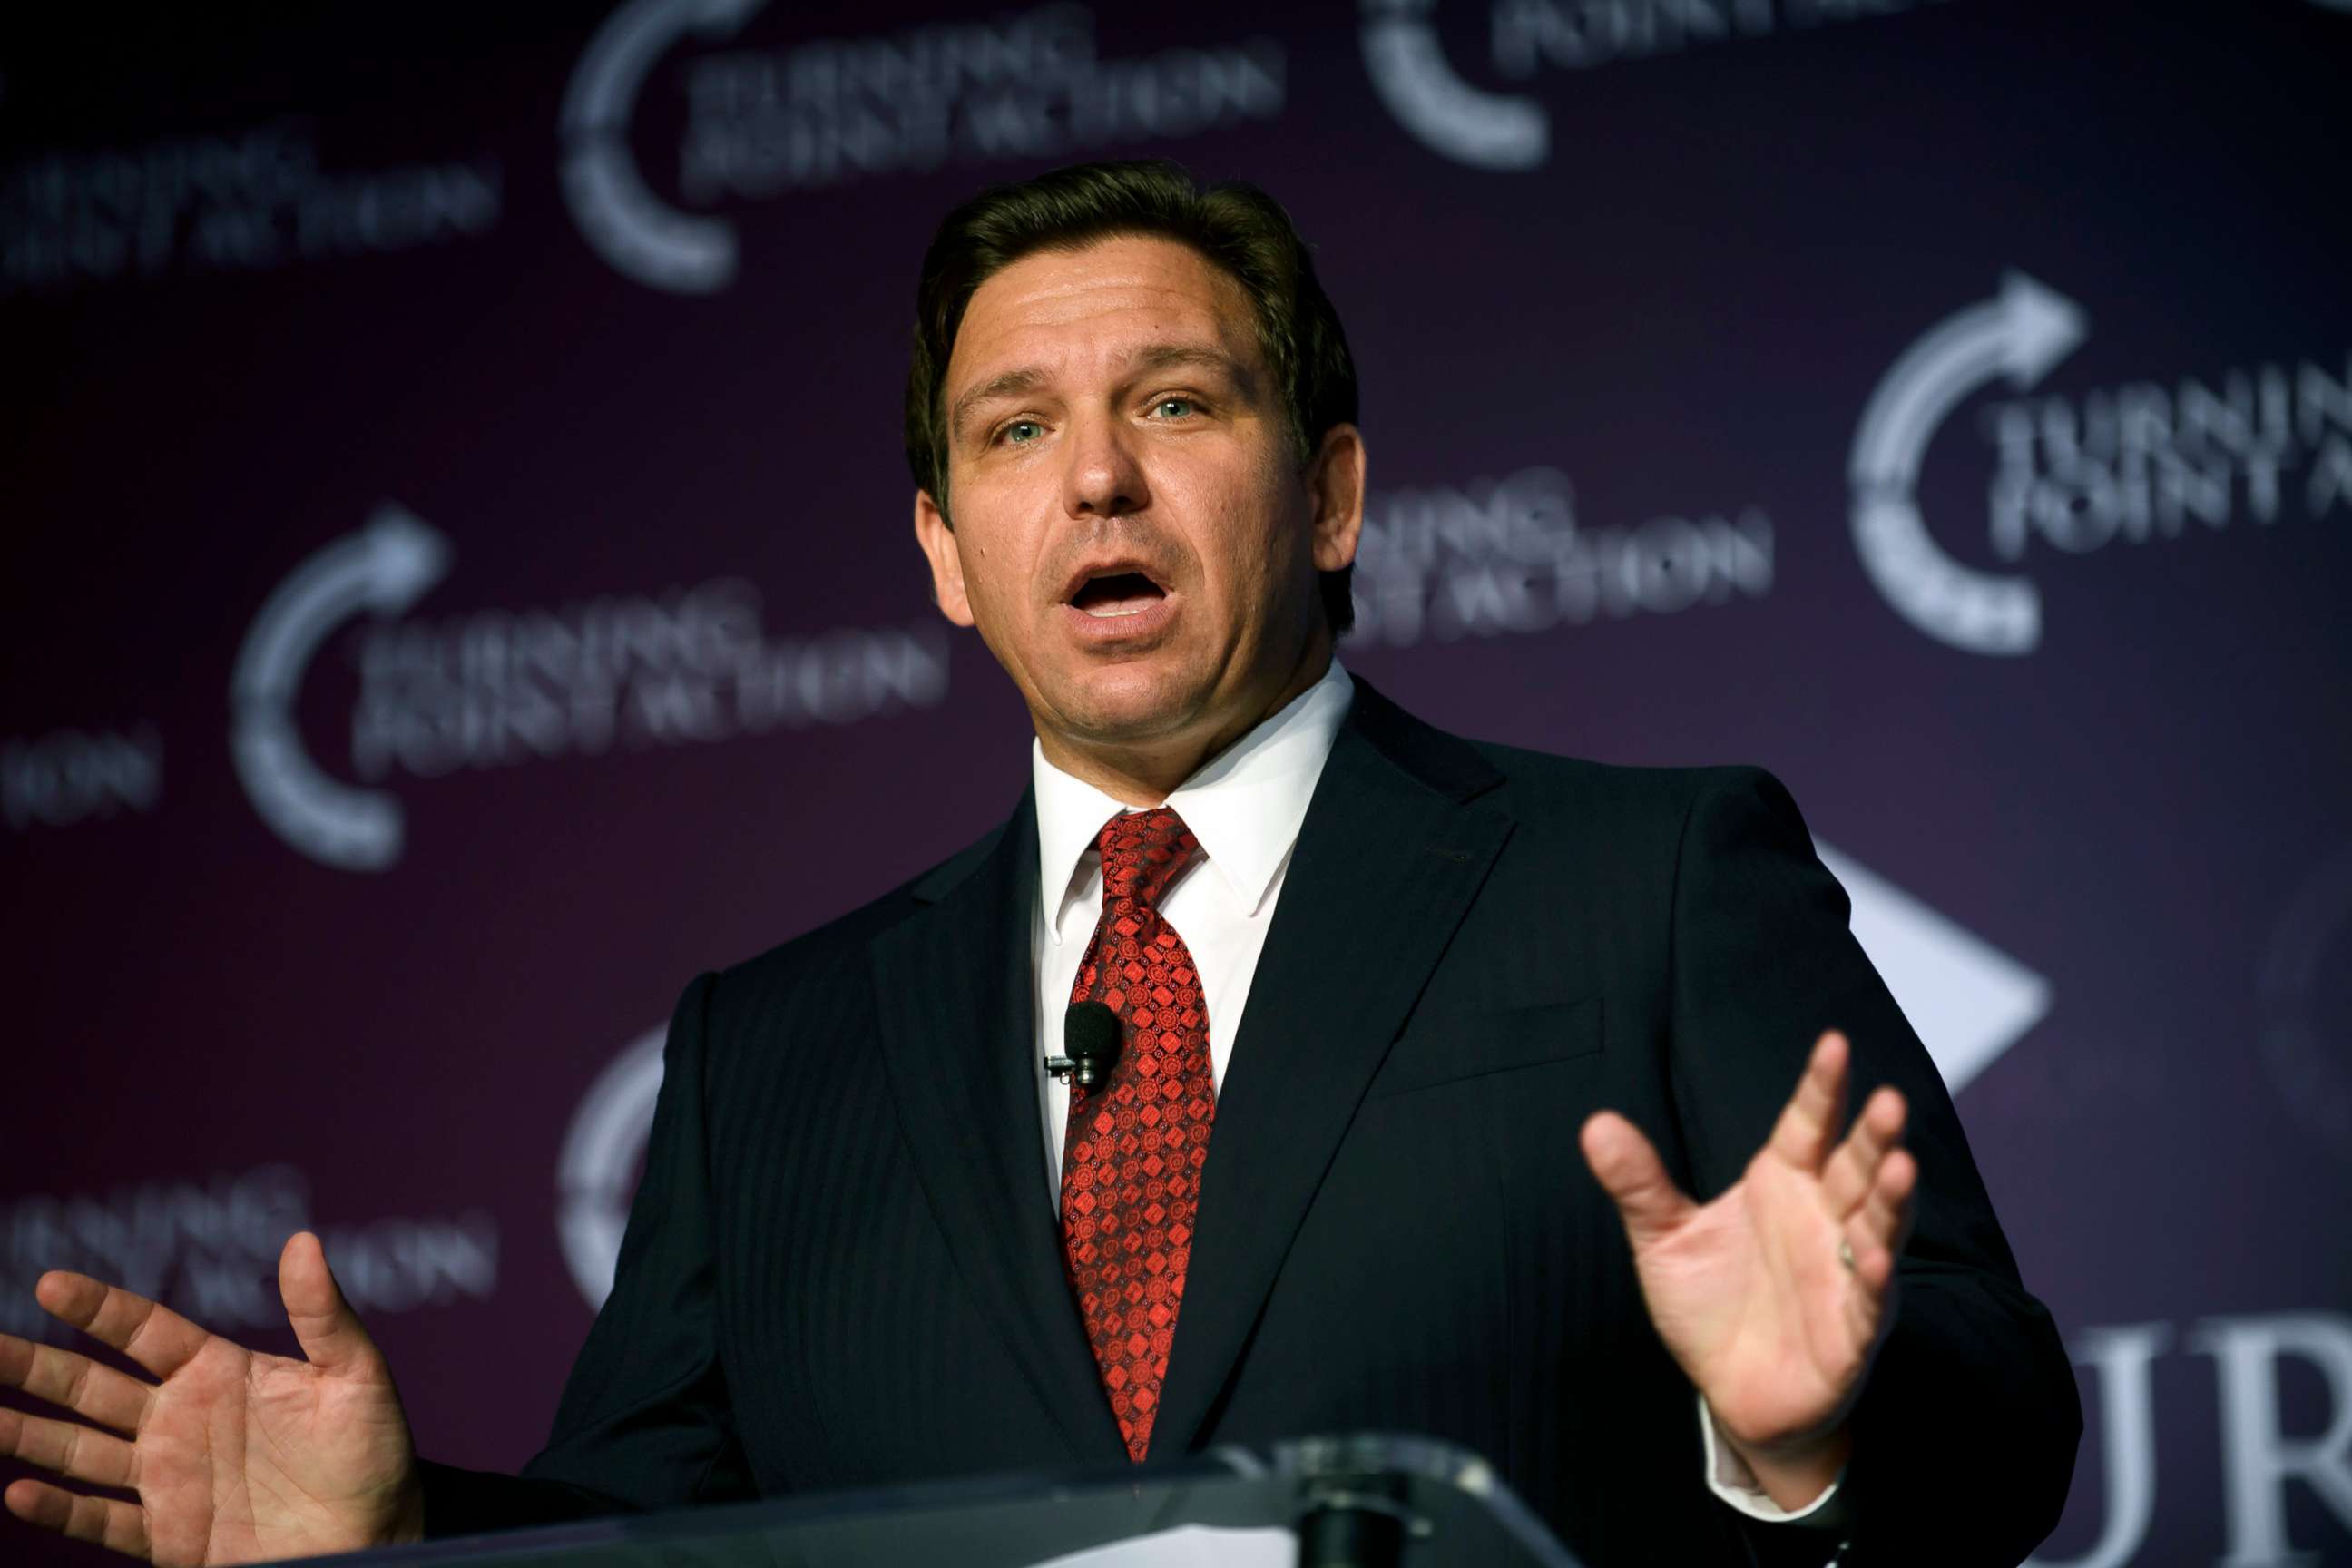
[1335,480]
[937,536]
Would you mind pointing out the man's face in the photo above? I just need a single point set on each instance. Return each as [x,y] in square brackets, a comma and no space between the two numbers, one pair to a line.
[1135,536]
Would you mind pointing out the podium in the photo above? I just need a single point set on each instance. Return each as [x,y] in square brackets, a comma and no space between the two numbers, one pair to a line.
[1365,1502]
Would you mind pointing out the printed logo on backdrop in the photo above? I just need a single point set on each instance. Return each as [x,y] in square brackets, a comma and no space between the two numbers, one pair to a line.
[764,122]
[500,688]
[243,201]
[69,776]
[603,1151]
[1967,999]
[2143,462]
[1414,78]
[2269,1447]
[1496,557]
[2305,1021]
[208,1248]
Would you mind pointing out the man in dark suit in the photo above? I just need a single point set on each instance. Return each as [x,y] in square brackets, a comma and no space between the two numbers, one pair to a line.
[1374,986]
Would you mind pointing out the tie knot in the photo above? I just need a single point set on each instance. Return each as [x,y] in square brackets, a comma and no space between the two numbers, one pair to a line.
[1142,851]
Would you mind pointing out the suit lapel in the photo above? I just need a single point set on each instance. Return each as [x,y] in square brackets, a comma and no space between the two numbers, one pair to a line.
[955,998]
[1388,860]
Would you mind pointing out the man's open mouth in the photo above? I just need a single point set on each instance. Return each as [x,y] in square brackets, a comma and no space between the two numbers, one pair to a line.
[1116,594]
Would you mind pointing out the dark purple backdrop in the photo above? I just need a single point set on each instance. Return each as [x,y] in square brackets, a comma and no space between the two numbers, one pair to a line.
[458,587]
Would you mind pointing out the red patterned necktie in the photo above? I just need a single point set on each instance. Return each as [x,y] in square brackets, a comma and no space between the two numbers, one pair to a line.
[1134,1146]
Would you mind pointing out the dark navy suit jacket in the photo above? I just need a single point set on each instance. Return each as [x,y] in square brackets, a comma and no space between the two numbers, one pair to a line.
[842,1266]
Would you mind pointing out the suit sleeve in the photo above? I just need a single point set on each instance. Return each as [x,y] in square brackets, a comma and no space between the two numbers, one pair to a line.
[1971,1394]
[644,1420]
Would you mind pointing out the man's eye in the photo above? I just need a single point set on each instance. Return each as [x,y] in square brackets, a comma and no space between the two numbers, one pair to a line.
[1014,432]
[1183,405]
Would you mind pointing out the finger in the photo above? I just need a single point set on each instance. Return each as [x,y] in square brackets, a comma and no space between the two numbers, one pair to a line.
[75,1383]
[1874,1261]
[1846,1180]
[1875,1232]
[331,1332]
[120,1526]
[1802,1136]
[1630,1171]
[70,1448]
[1886,1213]
[1869,1306]
[154,1336]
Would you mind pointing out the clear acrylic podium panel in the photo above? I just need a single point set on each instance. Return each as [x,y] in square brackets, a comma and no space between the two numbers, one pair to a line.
[1366,1501]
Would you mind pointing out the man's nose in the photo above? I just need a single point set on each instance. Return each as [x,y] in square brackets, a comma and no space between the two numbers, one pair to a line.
[1105,476]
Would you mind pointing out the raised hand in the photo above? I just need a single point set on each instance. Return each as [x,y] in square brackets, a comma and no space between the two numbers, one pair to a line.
[235,1458]
[1775,1296]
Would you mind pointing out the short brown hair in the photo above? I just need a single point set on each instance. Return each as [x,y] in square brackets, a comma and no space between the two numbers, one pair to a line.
[1233,224]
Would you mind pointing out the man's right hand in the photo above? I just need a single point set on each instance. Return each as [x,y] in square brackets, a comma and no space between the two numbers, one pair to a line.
[235,1458]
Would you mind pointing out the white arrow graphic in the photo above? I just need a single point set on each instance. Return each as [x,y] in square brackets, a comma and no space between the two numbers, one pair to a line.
[1968,1000]
[629,226]
[383,568]
[1415,79]
[2019,334]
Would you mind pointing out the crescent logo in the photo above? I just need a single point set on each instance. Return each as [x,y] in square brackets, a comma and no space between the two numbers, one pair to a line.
[2305,1056]
[628,227]
[597,1172]
[2019,336]
[1411,76]
[382,569]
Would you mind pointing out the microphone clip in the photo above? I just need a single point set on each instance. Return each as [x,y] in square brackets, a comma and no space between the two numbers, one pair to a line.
[1083,1073]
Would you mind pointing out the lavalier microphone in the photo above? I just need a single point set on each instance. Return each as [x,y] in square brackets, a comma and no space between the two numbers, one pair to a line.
[1090,1036]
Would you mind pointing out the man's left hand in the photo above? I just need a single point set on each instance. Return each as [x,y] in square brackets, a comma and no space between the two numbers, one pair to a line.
[1773,1324]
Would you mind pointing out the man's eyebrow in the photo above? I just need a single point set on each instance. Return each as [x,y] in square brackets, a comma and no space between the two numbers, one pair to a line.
[1173,357]
[1159,356]
[1010,383]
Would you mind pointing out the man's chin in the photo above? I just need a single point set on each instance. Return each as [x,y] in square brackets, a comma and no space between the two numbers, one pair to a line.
[1130,703]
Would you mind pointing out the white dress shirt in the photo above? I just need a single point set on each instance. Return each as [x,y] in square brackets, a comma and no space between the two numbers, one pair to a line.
[1245,806]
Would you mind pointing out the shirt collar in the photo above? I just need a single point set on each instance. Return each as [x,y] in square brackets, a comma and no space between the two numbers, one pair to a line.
[1245,804]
